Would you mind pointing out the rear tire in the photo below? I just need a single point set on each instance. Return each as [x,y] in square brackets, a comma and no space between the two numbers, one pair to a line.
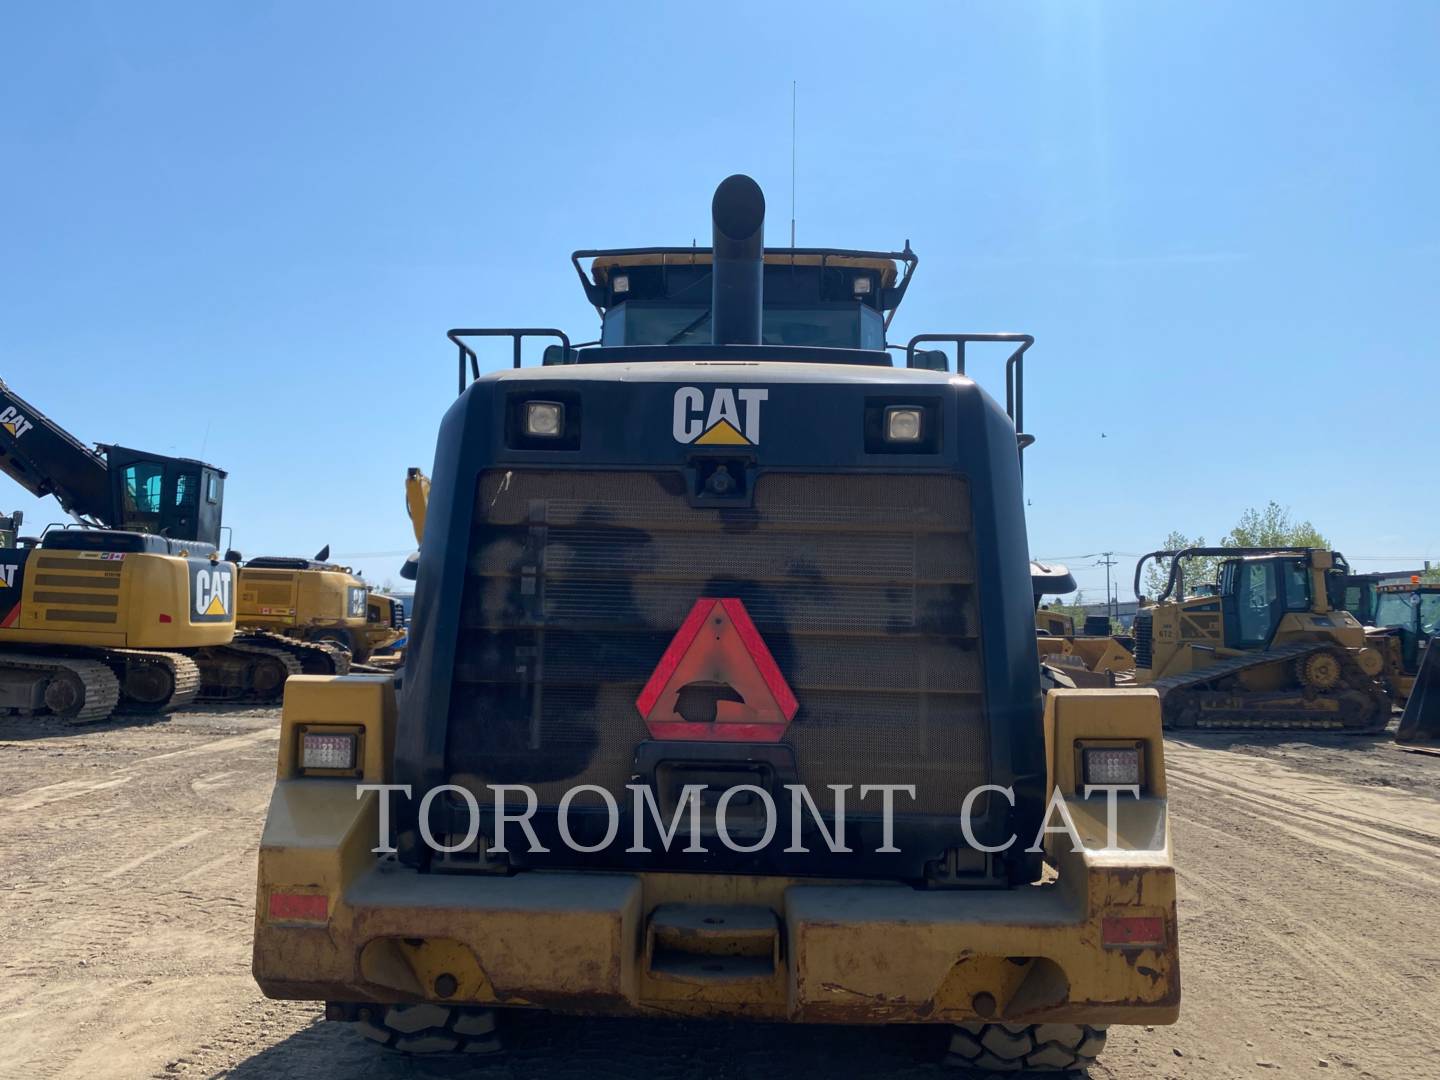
[1017,1047]
[430,1029]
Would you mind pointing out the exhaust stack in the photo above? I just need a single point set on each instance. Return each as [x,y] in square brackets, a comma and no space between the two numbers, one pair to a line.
[737,214]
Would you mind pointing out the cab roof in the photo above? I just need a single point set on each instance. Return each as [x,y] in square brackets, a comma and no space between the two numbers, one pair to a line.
[894,268]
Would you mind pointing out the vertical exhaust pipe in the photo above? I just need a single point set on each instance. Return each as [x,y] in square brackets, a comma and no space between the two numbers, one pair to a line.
[737,215]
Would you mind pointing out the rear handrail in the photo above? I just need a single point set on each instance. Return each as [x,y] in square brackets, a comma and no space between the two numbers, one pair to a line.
[1014,370]
[515,333]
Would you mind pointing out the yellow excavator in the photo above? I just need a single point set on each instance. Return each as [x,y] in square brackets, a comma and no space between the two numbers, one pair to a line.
[313,608]
[1269,648]
[132,605]
[123,608]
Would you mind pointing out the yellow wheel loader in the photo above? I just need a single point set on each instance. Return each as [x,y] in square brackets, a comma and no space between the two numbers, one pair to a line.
[722,699]
[1268,648]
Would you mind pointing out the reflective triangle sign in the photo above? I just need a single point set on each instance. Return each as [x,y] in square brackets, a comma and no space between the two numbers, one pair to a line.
[717,681]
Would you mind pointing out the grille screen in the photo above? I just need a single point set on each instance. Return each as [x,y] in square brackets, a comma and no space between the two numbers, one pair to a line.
[1144,630]
[862,587]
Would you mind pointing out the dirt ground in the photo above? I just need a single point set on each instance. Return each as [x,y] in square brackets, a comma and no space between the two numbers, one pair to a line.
[1310,921]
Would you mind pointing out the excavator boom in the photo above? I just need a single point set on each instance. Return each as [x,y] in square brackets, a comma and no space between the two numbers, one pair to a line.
[45,459]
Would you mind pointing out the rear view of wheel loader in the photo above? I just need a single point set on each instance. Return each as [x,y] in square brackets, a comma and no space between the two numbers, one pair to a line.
[1268,650]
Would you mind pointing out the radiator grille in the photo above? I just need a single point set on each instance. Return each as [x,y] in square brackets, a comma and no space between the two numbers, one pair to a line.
[1144,629]
[863,588]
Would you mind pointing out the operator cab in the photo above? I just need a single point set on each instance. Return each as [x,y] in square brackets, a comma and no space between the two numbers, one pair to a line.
[813,297]
[1413,611]
[178,498]
[1256,592]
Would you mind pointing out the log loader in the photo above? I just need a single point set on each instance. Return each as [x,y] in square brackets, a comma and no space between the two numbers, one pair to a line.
[1268,648]
[733,554]
[117,611]
[132,604]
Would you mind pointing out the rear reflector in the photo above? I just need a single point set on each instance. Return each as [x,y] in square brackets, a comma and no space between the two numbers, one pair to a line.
[165,618]
[299,907]
[327,751]
[1121,931]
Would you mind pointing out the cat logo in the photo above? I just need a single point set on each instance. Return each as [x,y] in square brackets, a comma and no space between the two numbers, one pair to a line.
[7,576]
[212,591]
[732,417]
[13,421]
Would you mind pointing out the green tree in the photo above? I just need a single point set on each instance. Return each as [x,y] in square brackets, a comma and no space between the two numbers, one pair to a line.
[1075,609]
[1270,526]
[1431,574]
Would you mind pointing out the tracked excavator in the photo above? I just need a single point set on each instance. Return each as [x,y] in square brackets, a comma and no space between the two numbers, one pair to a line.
[131,605]
[1269,648]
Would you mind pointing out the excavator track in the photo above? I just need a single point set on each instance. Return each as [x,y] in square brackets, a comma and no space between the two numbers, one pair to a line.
[244,671]
[315,657]
[153,681]
[82,691]
[1358,704]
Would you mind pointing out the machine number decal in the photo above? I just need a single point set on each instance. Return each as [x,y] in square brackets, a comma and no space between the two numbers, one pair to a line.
[14,421]
[356,601]
[730,417]
[211,587]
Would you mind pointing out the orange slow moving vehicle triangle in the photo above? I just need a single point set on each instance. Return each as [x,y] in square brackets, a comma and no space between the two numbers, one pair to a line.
[719,645]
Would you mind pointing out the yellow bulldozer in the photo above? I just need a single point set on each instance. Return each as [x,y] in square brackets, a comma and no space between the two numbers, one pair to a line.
[1267,648]
[691,601]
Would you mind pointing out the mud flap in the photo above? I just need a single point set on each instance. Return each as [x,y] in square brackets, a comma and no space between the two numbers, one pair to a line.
[1420,722]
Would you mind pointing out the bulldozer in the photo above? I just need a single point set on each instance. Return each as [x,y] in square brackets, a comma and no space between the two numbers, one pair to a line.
[672,585]
[102,612]
[1267,648]
[1068,660]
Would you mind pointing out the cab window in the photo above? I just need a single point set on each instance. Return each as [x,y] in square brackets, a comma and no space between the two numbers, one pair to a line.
[143,481]
[1256,596]
[1297,586]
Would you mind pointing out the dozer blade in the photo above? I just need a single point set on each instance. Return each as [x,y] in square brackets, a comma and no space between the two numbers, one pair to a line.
[1420,724]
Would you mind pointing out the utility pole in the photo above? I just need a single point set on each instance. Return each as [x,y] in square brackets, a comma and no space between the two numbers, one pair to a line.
[1107,562]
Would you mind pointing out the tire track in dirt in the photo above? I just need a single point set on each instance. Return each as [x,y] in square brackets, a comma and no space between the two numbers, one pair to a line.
[1307,912]
[129,892]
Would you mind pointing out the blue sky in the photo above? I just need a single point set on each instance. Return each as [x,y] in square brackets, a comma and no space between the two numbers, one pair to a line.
[240,231]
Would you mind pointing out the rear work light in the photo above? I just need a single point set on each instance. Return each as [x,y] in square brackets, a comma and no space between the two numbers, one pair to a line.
[544,419]
[328,752]
[1112,765]
[904,424]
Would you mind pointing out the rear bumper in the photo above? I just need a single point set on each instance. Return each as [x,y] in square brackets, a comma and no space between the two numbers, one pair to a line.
[620,944]
[1097,944]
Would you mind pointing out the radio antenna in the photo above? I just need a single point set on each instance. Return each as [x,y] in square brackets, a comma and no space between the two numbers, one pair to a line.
[793,85]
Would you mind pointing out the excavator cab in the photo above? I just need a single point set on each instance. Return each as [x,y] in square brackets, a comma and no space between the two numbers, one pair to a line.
[178,498]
